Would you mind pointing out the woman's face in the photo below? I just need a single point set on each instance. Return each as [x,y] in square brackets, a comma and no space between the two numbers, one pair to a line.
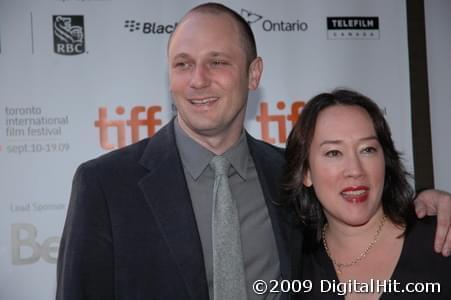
[346,165]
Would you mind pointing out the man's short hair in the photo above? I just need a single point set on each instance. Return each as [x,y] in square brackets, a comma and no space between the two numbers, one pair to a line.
[246,34]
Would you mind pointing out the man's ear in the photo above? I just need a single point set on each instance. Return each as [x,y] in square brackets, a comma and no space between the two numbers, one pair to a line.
[255,73]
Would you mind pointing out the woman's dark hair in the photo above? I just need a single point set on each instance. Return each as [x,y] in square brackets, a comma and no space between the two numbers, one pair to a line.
[397,193]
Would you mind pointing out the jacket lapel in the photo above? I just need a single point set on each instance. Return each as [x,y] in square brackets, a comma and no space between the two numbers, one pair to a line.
[167,194]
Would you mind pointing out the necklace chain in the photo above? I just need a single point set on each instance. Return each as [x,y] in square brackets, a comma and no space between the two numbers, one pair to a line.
[340,266]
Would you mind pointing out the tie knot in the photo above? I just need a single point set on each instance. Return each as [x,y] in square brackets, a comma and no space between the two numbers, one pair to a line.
[220,165]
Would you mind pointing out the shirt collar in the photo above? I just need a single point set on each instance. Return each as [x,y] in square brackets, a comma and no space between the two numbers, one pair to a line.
[196,158]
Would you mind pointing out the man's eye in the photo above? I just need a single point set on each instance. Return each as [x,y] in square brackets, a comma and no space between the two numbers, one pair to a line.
[219,62]
[181,65]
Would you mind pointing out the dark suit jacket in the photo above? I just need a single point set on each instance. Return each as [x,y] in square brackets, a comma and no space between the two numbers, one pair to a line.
[130,231]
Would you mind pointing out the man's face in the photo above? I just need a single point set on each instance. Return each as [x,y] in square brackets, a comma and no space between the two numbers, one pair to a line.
[209,76]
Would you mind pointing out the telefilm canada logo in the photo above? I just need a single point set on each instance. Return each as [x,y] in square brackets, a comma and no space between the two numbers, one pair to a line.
[68,35]
[353,28]
[273,25]
[149,27]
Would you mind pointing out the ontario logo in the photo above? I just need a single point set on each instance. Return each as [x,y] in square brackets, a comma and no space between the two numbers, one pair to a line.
[249,16]
[68,35]
[270,25]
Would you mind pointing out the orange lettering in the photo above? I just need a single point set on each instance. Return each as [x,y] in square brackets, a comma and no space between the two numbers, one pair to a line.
[296,108]
[265,119]
[103,123]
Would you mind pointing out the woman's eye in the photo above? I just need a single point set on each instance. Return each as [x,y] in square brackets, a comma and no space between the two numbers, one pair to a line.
[369,150]
[333,153]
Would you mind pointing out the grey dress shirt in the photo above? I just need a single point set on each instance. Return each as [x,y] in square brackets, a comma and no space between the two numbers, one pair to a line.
[261,260]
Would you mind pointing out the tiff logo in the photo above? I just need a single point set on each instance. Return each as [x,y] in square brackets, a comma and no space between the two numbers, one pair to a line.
[113,132]
[279,120]
[68,35]
[139,116]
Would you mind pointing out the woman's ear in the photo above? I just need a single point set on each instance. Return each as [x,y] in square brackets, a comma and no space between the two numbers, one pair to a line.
[307,179]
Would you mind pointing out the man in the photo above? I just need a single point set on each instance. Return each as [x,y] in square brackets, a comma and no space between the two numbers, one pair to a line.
[139,224]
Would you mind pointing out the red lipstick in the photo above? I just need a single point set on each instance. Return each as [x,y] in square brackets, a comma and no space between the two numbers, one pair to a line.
[355,194]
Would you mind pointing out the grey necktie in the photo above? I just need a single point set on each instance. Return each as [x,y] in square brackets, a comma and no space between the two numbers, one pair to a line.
[228,266]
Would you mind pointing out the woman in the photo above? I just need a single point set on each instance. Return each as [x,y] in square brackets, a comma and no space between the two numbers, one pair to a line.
[350,188]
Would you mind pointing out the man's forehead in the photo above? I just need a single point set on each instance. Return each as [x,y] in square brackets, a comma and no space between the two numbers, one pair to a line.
[204,14]
[193,23]
[199,19]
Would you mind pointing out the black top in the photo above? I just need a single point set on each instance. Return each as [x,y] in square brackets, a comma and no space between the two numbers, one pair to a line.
[418,264]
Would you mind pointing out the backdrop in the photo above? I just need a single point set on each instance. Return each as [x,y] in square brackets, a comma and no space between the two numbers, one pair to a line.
[81,78]
[438,26]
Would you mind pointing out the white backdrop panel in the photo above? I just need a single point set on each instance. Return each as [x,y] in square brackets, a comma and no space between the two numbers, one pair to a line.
[121,70]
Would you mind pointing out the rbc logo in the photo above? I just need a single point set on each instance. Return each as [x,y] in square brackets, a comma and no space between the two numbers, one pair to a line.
[68,35]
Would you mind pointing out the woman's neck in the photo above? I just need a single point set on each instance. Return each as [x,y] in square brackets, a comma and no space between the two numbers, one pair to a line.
[362,253]
[342,235]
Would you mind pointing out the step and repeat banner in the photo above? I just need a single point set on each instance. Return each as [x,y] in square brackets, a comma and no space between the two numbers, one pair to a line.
[438,25]
[81,78]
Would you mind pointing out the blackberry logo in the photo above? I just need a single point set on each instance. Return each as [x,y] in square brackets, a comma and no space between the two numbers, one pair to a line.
[132,25]
[68,35]
[249,16]
[149,27]
[366,28]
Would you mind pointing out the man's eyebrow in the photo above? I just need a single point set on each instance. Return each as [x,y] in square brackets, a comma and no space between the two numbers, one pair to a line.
[181,55]
[211,54]
[215,54]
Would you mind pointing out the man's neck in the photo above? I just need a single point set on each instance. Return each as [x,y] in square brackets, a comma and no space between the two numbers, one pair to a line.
[218,143]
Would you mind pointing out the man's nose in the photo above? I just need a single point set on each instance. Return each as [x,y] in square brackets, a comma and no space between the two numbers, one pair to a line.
[200,77]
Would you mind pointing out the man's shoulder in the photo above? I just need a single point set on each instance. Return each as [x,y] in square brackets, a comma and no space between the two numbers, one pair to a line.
[423,230]
[264,148]
[126,156]
[129,157]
